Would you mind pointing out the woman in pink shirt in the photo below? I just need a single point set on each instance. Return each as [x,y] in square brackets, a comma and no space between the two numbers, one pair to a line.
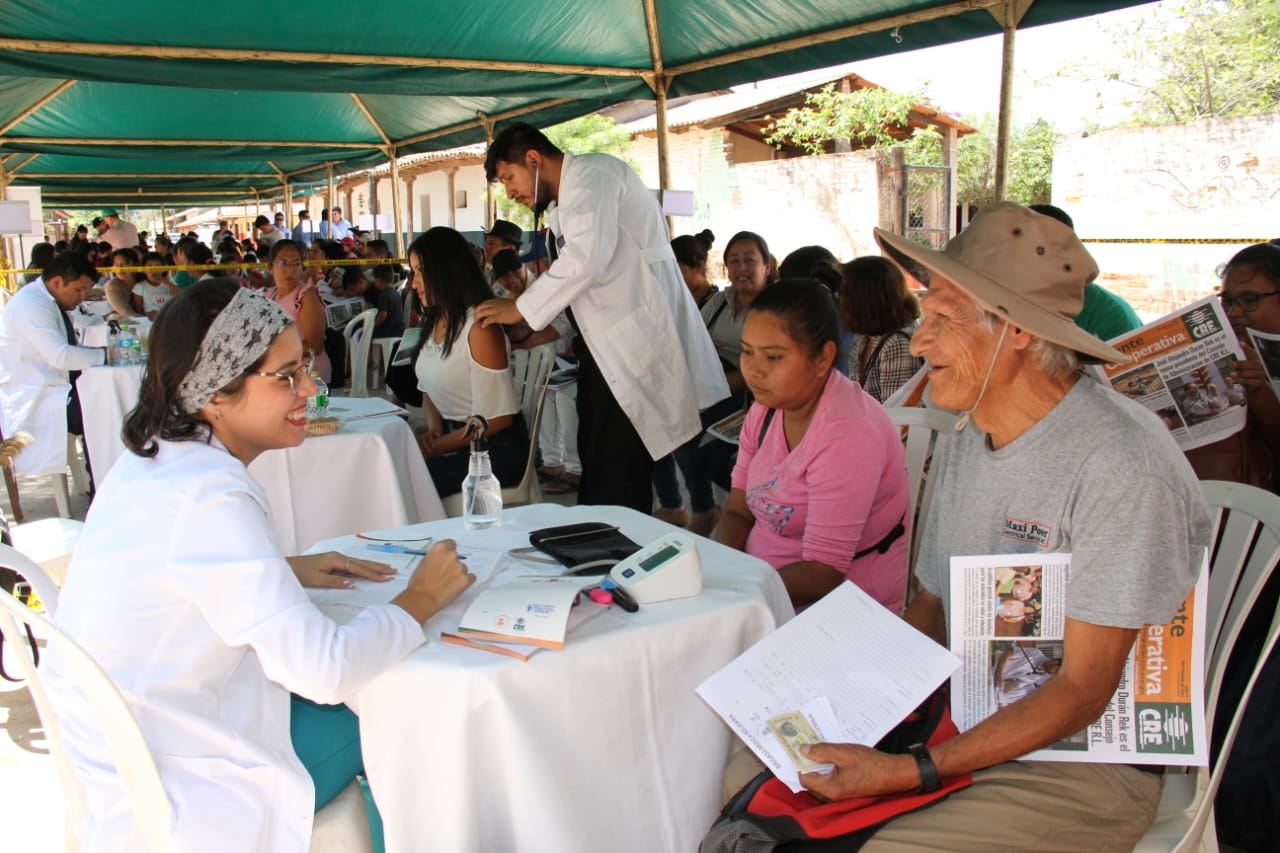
[820,487]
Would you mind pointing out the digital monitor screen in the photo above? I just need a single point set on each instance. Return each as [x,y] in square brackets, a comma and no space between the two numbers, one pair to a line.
[653,561]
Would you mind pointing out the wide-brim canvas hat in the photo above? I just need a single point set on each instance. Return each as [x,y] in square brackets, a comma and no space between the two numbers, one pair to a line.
[1020,265]
[504,230]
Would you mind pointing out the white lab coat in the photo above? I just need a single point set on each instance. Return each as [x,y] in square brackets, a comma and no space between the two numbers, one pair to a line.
[178,590]
[34,360]
[616,271]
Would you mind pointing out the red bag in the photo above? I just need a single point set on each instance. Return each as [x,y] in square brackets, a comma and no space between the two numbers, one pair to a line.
[766,814]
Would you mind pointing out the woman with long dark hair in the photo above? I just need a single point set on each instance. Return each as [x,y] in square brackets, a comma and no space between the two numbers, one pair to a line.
[462,368]
[194,613]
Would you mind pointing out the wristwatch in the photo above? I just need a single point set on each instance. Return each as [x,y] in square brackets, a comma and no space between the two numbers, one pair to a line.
[930,781]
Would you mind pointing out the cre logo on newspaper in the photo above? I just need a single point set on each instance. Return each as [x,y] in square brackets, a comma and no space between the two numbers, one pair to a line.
[1021,530]
[1201,322]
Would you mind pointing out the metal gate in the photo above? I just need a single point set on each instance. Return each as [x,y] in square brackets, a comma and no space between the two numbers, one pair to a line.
[924,213]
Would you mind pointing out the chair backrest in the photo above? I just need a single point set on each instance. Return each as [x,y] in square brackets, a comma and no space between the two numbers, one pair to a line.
[125,743]
[1245,551]
[358,353]
[531,369]
[925,431]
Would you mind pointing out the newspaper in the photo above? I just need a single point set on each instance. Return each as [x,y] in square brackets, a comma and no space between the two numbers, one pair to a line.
[1007,620]
[1268,349]
[1182,372]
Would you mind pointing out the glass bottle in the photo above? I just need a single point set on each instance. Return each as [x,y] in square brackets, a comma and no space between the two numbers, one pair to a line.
[481,491]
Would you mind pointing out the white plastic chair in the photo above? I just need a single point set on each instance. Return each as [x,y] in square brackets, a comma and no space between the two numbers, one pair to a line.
[1247,536]
[49,543]
[358,353]
[926,430]
[342,825]
[531,369]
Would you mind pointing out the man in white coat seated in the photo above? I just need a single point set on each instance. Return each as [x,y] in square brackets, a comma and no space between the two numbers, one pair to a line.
[39,362]
[646,363]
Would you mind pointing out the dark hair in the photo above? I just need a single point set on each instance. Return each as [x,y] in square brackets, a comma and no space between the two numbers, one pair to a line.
[378,244]
[333,250]
[691,249]
[452,280]
[184,244]
[152,256]
[41,254]
[384,272]
[807,311]
[874,297]
[260,221]
[814,262]
[175,341]
[199,254]
[512,143]
[70,266]
[131,259]
[769,260]
[1261,257]
[60,246]
[280,245]
[1053,212]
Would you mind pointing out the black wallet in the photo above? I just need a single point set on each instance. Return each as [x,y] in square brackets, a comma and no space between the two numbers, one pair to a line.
[589,548]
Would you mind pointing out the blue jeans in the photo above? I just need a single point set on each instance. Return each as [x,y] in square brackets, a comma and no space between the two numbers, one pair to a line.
[700,466]
[326,739]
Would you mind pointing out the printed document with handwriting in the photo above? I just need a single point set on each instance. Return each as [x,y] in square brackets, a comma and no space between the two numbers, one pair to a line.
[871,668]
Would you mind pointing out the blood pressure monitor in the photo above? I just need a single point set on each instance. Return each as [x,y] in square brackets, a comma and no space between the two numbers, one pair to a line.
[665,569]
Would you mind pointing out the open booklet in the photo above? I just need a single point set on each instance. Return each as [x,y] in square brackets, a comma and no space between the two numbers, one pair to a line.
[1008,614]
[1268,349]
[846,670]
[531,612]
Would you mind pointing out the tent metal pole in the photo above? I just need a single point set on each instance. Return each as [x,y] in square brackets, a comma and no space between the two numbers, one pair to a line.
[659,82]
[185,143]
[491,202]
[1009,15]
[840,33]
[36,107]
[238,55]
[396,215]
[497,117]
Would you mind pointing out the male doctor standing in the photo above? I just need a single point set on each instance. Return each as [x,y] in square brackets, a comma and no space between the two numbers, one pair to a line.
[646,362]
[39,362]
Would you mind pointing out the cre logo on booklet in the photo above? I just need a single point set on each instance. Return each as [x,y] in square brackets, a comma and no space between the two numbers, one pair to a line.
[1027,531]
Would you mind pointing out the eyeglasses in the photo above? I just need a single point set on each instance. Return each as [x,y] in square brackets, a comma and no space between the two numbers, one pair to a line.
[1248,300]
[293,377]
[289,264]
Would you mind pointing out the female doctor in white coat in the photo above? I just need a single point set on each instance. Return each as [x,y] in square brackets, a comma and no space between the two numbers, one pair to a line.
[180,592]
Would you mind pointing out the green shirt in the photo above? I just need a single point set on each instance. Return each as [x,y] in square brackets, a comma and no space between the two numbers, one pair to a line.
[1106,315]
[183,279]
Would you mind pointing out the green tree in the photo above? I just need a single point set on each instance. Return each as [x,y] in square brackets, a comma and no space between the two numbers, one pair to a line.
[1194,59]
[589,134]
[877,118]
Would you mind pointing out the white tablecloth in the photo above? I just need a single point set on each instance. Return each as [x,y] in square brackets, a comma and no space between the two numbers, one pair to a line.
[600,746]
[367,475]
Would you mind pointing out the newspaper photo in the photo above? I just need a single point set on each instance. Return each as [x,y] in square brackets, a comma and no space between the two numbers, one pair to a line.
[1268,349]
[1182,371]
[1008,615]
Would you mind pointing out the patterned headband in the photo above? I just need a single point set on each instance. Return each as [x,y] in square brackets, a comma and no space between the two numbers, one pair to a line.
[237,338]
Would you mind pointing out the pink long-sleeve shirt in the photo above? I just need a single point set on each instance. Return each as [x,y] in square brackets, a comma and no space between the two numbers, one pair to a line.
[843,488]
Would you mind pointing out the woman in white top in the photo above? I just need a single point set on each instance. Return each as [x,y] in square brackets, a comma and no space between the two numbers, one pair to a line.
[195,614]
[462,368]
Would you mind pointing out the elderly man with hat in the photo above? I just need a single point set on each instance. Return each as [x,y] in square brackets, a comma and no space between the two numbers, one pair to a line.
[119,233]
[1045,459]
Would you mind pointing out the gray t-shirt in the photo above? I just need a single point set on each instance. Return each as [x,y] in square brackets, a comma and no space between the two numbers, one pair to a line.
[1099,477]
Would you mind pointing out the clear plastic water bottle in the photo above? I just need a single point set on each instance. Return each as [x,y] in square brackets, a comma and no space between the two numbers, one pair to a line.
[481,491]
[128,340]
[318,404]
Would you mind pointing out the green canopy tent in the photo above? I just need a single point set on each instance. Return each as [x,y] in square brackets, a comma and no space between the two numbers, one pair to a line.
[102,108]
